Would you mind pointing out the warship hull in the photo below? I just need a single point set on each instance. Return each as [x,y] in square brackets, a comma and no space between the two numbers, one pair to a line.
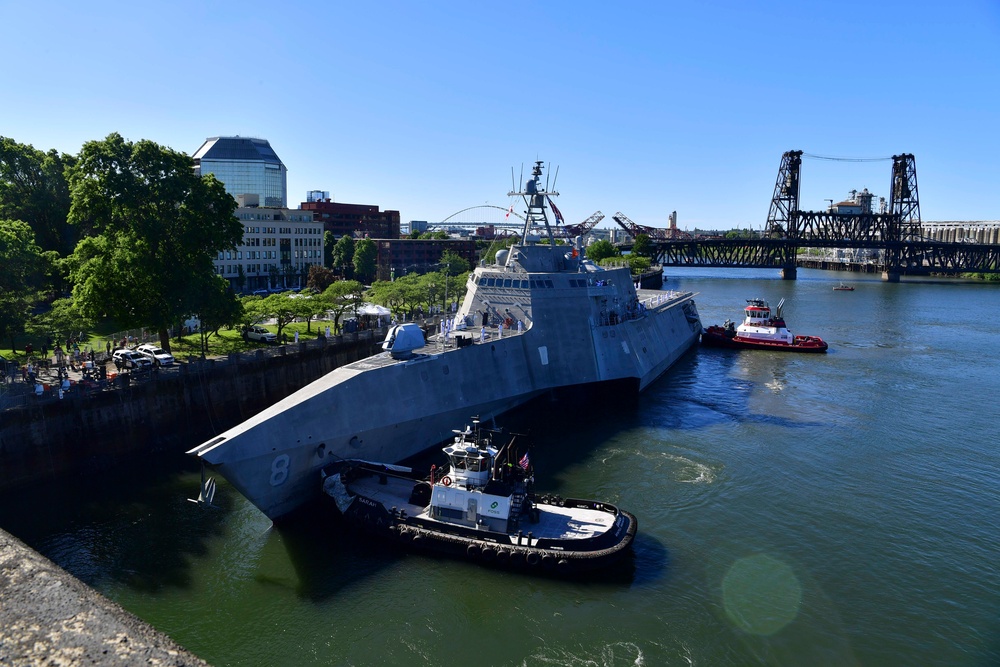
[539,319]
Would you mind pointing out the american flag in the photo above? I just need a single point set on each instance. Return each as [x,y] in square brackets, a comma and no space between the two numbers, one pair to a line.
[556,211]
[524,462]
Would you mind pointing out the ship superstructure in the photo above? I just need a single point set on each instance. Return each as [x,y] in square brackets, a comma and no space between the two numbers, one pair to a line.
[553,320]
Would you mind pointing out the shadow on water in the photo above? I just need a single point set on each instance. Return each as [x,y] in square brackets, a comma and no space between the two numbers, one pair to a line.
[132,525]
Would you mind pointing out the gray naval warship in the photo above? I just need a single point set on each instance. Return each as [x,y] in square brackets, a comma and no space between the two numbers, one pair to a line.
[553,320]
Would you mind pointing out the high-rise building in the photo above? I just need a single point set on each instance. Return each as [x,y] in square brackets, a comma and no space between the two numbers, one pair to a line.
[246,166]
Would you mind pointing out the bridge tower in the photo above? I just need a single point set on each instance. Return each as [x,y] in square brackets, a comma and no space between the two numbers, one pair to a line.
[783,217]
[904,207]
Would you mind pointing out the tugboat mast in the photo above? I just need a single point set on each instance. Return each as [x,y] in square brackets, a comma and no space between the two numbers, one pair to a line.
[534,196]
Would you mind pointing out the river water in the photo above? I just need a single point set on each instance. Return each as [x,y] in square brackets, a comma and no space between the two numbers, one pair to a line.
[829,509]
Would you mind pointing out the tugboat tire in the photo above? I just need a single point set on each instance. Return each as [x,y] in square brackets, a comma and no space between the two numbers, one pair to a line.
[517,558]
[502,555]
[472,551]
[548,560]
[562,565]
[533,558]
[489,553]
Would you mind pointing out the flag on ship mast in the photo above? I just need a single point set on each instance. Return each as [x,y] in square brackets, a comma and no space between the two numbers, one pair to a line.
[524,462]
[509,211]
[559,218]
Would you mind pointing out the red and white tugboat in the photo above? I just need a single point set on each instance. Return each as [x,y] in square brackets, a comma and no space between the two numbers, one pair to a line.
[761,331]
[481,507]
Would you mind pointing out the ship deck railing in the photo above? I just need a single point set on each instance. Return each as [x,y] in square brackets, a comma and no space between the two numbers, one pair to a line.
[648,300]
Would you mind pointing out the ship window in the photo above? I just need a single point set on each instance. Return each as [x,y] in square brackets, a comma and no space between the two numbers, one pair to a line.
[474,465]
[458,462]
[532,283]
[506,283]
[548,283]
[490,282]
[482,281]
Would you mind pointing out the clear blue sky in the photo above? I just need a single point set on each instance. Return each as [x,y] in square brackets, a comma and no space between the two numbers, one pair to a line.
[424,107]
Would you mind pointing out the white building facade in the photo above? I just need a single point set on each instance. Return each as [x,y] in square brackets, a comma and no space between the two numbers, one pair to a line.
[279,245]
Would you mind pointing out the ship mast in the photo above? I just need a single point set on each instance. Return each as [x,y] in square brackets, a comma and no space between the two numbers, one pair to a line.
[534,195]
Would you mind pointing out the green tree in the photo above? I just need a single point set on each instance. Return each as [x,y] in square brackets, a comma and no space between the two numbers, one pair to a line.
[284,308]
[215,306]
[454,262]
[20,267]
[33,188]
[343,256]
[642,246]
[365,255]
[401,295]
[62,320]
[602,249]
[328,244]
[342,296]
[157,227]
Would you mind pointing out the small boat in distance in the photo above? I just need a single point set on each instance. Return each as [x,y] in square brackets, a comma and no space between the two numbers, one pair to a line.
[481,507]
[760,331]
[843,288]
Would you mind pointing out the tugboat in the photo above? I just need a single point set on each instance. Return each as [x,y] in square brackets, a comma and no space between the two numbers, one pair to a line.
[481,507]
[761,331]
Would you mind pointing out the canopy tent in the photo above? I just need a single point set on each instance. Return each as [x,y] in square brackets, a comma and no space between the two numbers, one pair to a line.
[373,309]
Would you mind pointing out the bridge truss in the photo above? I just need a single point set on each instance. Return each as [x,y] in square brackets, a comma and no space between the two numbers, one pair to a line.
[895,233]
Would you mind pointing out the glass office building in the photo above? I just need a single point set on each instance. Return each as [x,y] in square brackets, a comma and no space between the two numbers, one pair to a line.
[247,166]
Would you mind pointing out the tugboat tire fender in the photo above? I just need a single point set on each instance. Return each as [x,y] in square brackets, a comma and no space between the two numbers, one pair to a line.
[503,555]
[472,551]
[517,558]
[548,560]
[533,558]
[489,553]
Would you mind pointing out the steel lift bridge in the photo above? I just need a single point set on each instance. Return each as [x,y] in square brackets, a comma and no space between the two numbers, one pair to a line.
[895,231]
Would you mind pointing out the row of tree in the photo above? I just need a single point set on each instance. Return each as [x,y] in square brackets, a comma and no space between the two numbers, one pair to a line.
[126,228]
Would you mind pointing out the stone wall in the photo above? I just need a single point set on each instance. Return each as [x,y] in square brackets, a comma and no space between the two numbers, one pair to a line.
[172,410]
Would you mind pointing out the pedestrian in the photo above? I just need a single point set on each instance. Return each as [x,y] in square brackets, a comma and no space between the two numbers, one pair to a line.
[45,351]
[296,336]
[327,330]
[107,348]
[486,319]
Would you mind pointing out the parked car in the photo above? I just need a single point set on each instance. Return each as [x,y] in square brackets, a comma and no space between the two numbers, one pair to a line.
[156,354]
[259,334]
[130,359]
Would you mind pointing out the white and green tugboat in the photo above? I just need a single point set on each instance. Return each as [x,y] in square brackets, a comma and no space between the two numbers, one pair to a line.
[481,507]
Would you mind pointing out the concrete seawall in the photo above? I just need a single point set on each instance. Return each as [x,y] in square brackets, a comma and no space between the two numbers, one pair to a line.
[47,617]
[169,411]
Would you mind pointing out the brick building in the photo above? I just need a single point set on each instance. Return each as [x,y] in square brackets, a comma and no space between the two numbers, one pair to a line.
[397,257]
[356,220]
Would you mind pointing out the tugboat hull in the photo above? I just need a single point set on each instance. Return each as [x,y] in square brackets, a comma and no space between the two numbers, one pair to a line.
[389,504]
[716,336]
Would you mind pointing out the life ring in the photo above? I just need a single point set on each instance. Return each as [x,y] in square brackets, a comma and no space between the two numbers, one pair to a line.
[446,480]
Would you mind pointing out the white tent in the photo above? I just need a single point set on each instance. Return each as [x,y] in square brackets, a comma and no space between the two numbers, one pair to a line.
[373,309]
